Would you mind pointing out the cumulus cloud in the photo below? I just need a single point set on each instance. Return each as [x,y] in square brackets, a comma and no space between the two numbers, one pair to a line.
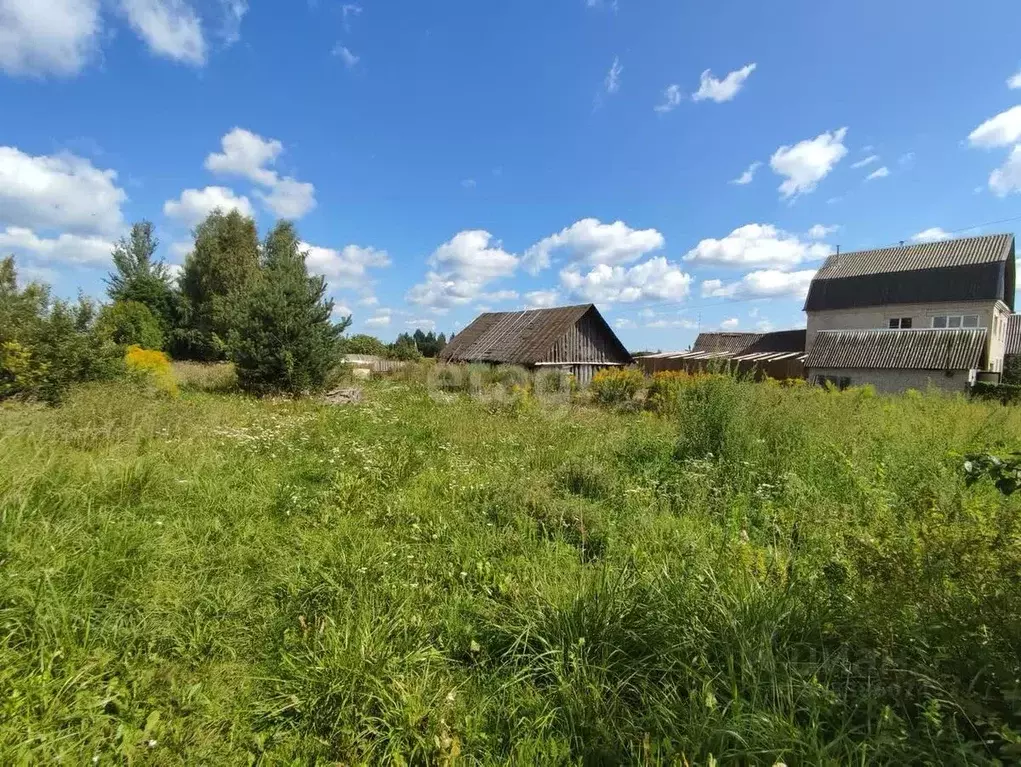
[249,155]
[423,324]
[59,192]
[933,234]
[1002,130]
[882,172]
[170,28]
[866,161]
[66,248]
[748,175]
[808,162]
[1007,178]
[664,322]
[1014,82]
[612,82]
[380,319]
[460,269]
[756,245]
[593,242]
[345,55]
[722,90]
[195,204]
[765,283]
[345,268]
[821,232]
[541,299]
[671,99]
[54,37]
[654,280]
[731,323]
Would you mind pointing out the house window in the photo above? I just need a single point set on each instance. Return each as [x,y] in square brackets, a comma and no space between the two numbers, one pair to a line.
[838,382]
[955,321]
[900,323]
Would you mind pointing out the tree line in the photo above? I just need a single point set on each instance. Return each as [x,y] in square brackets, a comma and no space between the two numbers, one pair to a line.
[237,298]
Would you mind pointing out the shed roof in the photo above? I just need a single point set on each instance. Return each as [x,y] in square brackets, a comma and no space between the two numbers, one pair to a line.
[1012,344]
[964,269]
[522,338]
[751,343]
[923,349]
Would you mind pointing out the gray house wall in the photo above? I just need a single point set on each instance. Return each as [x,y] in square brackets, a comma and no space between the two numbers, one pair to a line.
[895,381]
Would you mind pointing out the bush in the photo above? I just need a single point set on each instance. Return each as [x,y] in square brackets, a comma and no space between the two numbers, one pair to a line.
[1008,394]
[666,389]
[615,386]
[130,323]
[152,367]
[363,344]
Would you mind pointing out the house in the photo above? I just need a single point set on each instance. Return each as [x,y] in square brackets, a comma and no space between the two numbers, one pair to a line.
[778,354]
[574,339]
[931,314]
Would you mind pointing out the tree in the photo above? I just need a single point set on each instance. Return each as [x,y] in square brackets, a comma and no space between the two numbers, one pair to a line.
[403,348]
[130,323]
[364,344]
[142,278]
[284,339]
[220,270]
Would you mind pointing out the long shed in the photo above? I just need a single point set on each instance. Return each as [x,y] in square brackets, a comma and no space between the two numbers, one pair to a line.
[574,339]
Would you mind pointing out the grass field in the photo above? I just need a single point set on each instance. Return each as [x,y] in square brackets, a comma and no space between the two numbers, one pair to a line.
[766,575]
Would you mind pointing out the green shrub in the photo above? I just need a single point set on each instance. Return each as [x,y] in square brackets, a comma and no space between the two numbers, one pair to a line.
[1008,394]
[364,344]
[130,323]
[616,386]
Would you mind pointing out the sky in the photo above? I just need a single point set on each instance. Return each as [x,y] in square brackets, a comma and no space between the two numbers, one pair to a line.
[684,166]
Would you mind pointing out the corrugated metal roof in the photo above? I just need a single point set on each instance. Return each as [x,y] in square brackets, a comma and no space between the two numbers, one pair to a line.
[750,343]
[522,338]
[967,269]
[1012,344]
[924,349]
[695,355]
[927,255]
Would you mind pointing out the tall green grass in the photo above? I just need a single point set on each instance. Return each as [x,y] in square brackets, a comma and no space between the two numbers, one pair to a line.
[769,575]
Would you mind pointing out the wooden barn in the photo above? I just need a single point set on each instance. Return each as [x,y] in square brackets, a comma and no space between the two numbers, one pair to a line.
[778,354]
[574,339]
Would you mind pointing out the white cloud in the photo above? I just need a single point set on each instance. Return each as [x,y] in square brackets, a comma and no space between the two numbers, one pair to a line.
[497,296]
[867,161]
[195,204]
[541,299]
[593,242]
[731,323]
[289,198]
[170,28]
[756,245]
[766,283]
[246,154]
[460,270]
[933,234]
[654,280]
[66,248]
[878,173]
[1007,178]
[722,90]
[671,99]
[684,323]
[1014,82]
[612,81]
[345,268]
[1002,130]
[345,54]
[821,232]
[906,159]
[348,10]
[468,183]
[748,175]
[808,162]
[58,191]
[340,311]
[234,12]
[53,37]
[624,323]
[424,325]
[180,249]
[380,319]
[368,300]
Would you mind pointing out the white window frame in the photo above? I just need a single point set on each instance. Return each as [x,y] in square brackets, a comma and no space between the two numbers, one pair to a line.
[949,321]
[897,323]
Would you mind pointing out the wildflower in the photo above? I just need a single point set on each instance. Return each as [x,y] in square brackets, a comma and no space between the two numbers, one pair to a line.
[151,743]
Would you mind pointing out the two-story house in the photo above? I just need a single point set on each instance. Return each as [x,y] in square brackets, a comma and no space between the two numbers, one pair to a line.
[930,314]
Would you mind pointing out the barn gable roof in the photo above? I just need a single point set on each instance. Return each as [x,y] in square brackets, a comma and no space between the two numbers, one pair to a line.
[965,269]
[524,337]
[924,349]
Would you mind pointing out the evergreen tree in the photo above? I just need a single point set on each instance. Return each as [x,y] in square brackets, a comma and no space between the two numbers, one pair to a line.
[140,277]
[218,273]
[284,339]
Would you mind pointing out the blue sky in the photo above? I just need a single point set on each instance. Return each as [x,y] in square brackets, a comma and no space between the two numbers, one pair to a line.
[441,158]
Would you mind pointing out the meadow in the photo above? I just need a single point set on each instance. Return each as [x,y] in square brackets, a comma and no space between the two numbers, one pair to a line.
[755,574]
